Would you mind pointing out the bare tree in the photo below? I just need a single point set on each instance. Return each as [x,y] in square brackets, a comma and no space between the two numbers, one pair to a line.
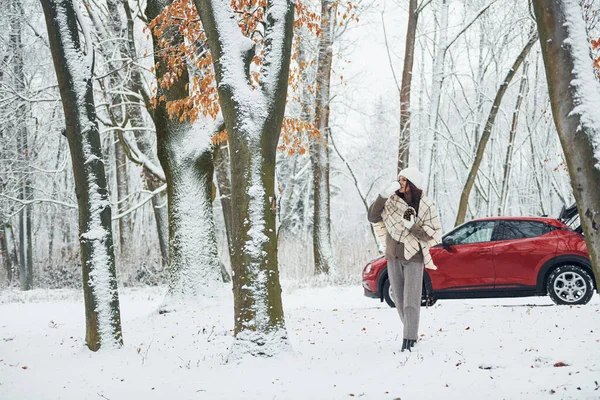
[508,162]
[74,70]
[575,100]
[19,126]
[489,125]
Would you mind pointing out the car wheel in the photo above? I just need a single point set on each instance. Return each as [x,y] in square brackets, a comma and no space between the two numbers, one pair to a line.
[570,284]
[426,301]
[387,294]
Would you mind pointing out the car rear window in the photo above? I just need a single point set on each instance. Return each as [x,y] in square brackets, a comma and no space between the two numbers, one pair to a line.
[510,230]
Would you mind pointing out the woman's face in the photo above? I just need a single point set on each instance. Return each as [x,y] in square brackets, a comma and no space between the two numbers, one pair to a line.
[404,188]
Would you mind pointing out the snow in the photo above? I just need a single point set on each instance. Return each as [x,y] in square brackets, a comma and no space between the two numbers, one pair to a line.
[274,43]
[586,88]
[345,345]
[235,46]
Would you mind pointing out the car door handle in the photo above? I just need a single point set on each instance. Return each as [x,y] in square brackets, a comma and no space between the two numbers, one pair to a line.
[484,251]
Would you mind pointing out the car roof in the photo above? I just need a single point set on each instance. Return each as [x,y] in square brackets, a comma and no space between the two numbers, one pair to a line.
[546,220]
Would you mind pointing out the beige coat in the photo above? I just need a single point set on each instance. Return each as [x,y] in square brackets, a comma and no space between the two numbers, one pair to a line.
[427,232]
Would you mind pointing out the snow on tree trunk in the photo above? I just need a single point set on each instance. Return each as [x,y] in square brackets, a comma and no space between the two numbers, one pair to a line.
[575,99]
[186,155]
[253,120]
[187,159]
[74,71]
[319,147]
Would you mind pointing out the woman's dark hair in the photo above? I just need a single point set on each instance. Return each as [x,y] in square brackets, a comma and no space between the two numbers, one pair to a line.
[415,196]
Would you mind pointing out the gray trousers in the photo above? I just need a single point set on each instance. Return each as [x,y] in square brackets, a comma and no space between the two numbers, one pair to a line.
[406,281]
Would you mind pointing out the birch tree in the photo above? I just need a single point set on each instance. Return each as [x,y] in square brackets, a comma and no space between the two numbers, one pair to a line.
[74,69]
[253,117]
[575,99]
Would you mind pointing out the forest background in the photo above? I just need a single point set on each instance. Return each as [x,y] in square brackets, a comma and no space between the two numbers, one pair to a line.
[463,51]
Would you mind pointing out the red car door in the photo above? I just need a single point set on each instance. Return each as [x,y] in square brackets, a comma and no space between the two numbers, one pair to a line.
[521,248]
[467,263]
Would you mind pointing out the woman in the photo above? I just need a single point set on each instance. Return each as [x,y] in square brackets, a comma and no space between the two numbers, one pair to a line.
[413,226]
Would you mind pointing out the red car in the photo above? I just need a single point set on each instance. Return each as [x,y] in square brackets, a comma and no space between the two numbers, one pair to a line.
[501,257]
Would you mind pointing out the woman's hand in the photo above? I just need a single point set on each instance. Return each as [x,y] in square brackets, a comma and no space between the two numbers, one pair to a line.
[390,190]
[410,222]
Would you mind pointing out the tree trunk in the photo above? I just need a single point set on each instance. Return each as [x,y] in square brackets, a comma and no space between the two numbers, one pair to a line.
[436,94]
[511,143]
[487,131]
[224,185]
[114,49]
[20,127]
[575,97]
[134,110]
[186,155]
[74,71]
[409,50]
[8,263]
[253,120]
[319,147]
[122,192]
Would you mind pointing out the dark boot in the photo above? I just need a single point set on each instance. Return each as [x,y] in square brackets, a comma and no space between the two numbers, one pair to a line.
[406,345]
[412,343]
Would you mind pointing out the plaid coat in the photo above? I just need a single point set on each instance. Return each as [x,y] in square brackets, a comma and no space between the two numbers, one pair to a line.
[427,219]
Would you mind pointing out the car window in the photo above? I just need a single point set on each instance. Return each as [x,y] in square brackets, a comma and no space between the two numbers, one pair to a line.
[474,232]
[511,230]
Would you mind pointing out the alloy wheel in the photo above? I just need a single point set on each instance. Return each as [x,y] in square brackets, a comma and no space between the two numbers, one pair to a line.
[570,286]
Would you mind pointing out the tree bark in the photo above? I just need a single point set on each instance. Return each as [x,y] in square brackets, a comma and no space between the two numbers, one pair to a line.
[487,131]
[319,147]
[186,155]
[253,120]
[574,97]
[511,143]
[114,49]
[74,71]
[409,53]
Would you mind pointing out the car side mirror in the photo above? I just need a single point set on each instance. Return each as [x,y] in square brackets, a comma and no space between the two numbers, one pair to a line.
[448,241]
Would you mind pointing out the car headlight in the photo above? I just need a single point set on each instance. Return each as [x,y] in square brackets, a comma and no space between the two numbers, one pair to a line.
[368,268]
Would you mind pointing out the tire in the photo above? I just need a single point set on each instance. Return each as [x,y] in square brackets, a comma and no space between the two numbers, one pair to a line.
[387,296]
[387,293]
[570,285]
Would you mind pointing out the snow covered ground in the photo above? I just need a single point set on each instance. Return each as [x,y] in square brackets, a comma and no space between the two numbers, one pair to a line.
[345,346]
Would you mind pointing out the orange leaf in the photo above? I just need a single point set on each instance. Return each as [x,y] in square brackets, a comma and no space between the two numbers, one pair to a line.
[560,364]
